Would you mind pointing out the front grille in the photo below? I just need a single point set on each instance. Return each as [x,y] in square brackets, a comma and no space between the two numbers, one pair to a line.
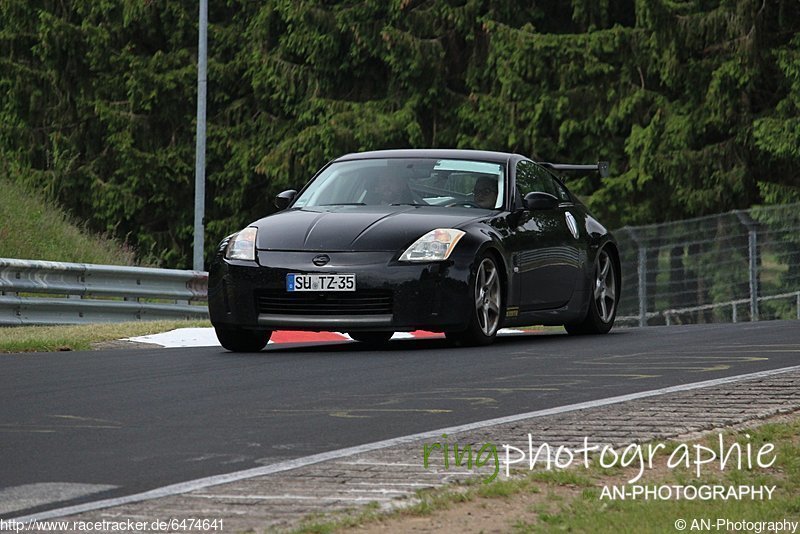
[361,302]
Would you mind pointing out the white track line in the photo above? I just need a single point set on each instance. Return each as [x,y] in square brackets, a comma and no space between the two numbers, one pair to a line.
[200,483]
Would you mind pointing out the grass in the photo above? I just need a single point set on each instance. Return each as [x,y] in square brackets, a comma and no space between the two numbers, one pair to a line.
[34,228]
[570,501]
[80,337]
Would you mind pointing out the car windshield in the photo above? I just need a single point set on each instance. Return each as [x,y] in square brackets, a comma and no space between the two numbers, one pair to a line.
[407,181]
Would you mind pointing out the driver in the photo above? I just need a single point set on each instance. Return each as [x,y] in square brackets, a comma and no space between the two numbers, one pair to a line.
[484,192]
[393,188]
[390,189]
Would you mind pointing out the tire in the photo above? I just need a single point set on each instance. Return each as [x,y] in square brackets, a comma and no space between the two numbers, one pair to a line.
[371,338]
[242,340]
[604,300]
[487,309]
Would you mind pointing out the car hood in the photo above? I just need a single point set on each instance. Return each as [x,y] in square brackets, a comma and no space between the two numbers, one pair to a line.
[357,228]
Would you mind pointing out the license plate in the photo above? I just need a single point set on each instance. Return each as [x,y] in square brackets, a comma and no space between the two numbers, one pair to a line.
[320,282]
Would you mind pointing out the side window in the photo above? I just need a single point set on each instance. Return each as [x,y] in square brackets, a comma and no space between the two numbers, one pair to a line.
[533,178]
[526,178]
[561,191]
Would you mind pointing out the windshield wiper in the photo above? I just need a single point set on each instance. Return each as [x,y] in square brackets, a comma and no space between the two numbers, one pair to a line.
[407,204]
[345,204]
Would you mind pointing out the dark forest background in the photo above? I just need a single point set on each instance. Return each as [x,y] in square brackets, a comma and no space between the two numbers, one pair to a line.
[695,103]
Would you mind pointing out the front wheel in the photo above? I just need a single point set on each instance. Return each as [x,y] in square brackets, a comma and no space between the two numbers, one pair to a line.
[605,298]
[487,309]
[371,338]
[242,340]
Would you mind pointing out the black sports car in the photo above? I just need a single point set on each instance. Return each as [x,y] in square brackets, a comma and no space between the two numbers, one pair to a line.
[456,241]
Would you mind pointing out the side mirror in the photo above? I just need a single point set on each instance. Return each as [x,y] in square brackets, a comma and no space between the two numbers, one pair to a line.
[540,201]
[284,198]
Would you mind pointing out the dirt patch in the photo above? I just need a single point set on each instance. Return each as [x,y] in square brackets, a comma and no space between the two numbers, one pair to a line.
[482,514]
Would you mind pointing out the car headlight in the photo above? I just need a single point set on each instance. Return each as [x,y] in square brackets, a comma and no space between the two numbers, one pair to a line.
[436,245]
[243,245]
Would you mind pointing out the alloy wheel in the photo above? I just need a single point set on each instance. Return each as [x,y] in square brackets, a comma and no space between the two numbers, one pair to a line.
[605,287]
[487,297]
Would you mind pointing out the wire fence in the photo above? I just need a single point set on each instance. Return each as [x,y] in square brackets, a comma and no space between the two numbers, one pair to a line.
[737,266]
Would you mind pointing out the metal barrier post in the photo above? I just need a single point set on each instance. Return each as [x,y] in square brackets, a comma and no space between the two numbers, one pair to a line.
[642,286]
[753,274]
[642,275]
[745,219]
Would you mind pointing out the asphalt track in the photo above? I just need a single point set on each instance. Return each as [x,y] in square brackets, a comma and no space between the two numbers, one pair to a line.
[136,420]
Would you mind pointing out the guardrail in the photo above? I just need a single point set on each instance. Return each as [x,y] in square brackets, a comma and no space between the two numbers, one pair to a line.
[46,292]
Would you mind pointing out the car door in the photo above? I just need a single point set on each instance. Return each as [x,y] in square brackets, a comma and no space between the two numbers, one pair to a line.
[547,255]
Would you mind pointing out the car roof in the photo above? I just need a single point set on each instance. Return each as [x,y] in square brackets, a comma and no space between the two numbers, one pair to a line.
[438,153]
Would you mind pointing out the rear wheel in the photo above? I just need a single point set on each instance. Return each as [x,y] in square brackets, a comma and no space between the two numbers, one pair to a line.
[487,309]
[242,340]
[605,297]
[371,338]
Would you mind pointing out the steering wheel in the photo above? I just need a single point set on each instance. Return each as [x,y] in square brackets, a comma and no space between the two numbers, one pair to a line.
[462,203]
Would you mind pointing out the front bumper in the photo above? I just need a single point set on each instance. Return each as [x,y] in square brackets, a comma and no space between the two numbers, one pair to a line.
[389,296]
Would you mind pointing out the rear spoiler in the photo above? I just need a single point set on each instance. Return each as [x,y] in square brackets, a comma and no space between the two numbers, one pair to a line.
[600,167]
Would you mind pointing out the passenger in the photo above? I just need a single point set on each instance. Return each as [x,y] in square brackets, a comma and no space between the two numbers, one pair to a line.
[484,193]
